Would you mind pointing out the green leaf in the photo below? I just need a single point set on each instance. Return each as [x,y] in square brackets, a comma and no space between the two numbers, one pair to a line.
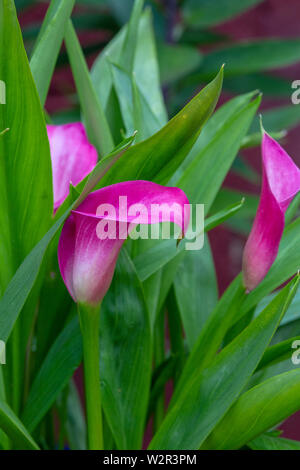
[213,162]
[145,71]
[54,308]
[177,341]
[124,81]
[150,260]
[4,441]
[123,87]
[227,197]
[272,371]
[26,200]
[158,265]
[216,123]
[93,111]
[280,355]
[213,332]
[125,358]
[176,61]
[61,362]
[130,42]
[196,290]
[277,353]
[13,427]
[250,57]
[202,13]
[75,424]
[24,279]
[162,374]
[293,312]
[225,214]
[48,44]
[242,222]
[267,442]
[151,287]
[157,157]
[208,394]
[133,105]
[213,125]
[293,210]
[256,411]
[286,330]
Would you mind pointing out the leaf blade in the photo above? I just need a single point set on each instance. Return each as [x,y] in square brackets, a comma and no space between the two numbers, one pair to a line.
[97,125]
[13,427]
[208,395]
[125,338]
[48,43]
[259,410]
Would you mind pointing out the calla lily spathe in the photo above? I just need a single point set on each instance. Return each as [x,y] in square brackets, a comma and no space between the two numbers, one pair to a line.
[281,182]
[86,262]
[72,156]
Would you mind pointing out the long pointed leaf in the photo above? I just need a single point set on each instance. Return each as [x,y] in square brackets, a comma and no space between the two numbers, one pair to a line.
[62,360]
[256,411]
[13,427]
[158,156]
[97,125]
[125,357]
[26,200]
[48,43]
[208,395]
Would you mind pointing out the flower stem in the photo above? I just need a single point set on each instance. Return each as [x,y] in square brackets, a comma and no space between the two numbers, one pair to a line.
[89,323]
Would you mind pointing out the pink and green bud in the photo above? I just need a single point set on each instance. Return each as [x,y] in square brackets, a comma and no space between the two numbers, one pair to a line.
[281,182]
[94,233]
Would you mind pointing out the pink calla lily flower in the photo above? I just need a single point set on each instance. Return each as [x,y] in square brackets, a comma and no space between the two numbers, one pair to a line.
[94,233]
[281,182]
[72,156]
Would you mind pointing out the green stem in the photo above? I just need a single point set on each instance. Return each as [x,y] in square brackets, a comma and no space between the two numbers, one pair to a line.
[89,323]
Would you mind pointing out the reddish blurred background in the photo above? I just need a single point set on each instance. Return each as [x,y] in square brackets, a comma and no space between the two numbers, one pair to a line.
[272,18]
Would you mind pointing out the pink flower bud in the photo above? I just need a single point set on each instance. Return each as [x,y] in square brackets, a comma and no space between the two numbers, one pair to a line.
[281,182]
[94,233]
[72,156]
